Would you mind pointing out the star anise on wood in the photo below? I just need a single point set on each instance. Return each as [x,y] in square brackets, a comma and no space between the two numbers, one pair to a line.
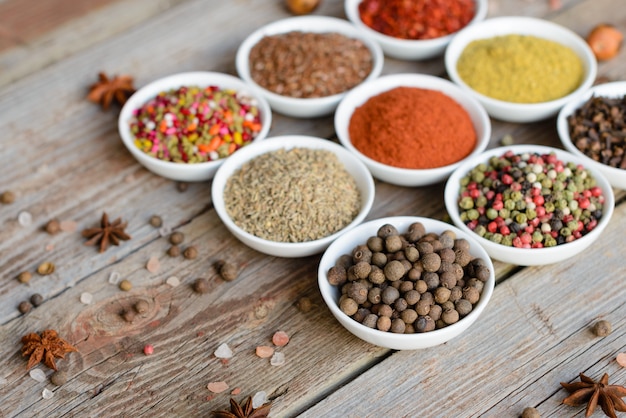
[245,410]
[109,232]
[118,88]
[46,347]
[609,397]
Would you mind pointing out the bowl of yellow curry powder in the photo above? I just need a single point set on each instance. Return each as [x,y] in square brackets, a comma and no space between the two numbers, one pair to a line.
[520,69]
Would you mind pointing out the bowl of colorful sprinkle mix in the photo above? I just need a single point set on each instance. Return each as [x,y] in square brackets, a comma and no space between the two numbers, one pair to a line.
[304,65]
[406,282]
[530,204]
[593,126]
[414,30]
[521,69]
[292,195]
[184,126]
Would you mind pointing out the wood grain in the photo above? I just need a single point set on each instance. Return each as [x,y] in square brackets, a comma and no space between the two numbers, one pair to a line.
[63,158]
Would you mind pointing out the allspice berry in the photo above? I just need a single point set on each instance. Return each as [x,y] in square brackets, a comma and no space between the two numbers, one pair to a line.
[228,271]
[52,227]
[304,304]
[201,286]
[530,412]
[46,268]
[394,270]
[128,315]
[36,299]
[24,307]
[190,252]
[337,276]
[177,238]
[173,251]
[7,197]
[602,328]
[58,378]
[24,277]
[156,221]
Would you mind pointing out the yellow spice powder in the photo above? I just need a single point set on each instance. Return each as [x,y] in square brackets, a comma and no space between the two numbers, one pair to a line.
[520,68]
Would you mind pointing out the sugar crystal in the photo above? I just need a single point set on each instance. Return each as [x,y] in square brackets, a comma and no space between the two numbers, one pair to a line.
[38,375]
[223,351]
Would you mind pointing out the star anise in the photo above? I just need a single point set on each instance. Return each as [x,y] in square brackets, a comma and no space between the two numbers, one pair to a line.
[244,410]
[609,397]
[119,88]
[109,232]
[46,347]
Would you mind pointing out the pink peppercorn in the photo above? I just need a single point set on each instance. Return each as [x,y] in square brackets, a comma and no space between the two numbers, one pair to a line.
[148,349]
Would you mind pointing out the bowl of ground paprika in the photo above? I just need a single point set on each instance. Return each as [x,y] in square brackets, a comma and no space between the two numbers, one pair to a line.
[412,129]
[417,29]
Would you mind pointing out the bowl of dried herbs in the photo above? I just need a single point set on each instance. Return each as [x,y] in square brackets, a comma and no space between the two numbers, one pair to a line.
[292,195]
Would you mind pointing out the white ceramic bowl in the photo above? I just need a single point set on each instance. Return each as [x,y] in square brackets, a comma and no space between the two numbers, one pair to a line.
[404,176]
[529,256]
[359,235]
[356,168]
[521,112]
[407,49]
[616,176]
[305,107]
[181,171]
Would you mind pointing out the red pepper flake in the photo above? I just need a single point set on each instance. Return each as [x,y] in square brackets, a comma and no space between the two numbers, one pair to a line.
[417,19]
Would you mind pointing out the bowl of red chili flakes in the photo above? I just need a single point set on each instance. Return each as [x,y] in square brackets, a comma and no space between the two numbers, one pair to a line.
[415,30]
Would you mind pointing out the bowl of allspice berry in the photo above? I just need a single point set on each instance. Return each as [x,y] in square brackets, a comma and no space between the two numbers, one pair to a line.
[406,282]
[593,127]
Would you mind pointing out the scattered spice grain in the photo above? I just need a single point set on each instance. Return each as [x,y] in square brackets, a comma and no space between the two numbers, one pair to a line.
[520,68]
[177,238]
[46,268]
[36,299]
[602,328]
[141,306]
[52,227]
[173,251]
[530,412]
[416,19]
[128,315]
[153,265]
[24,277]
[228,271]
[193,124]
[621,359]
[410,127]
[156,221]
[304,304]
[217,387]
[201,285]
[125,285]
[293,195]
[308,64]
[7,197]
[190,252]
[58,378]
[24,307]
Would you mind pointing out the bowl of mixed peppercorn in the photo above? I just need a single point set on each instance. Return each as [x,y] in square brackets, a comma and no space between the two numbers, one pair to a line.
[530,204]
[406,282]
[414,30]
[184,126]
[593,127]
[304,65]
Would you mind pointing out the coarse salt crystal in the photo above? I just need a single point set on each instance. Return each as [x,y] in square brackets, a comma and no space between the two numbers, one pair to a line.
[114,277]
[264,351]
[259,399]
[173,281]
[153,264]
[280,338]
[38,375]
[47,394]
[24,218]
[86,298]
[217,387]
[165,230]
[223,351]
[278,359]
[621,359]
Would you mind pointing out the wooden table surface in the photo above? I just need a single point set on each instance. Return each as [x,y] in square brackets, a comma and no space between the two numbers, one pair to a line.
[62,157]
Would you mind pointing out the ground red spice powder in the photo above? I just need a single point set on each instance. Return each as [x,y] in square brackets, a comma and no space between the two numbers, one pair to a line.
[410,127]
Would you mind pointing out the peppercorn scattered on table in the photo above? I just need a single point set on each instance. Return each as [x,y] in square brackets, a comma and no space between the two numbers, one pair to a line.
[170,315]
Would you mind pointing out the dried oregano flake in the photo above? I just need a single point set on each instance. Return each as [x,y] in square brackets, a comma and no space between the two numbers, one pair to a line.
[294,195]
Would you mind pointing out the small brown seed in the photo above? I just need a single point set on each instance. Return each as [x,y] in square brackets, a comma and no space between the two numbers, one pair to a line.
[450,316]
[36,299]
[415,232]
[141,306]
[173,251]
[376,276]
[424,324]
[394,270]
[386,230]
[190,252]
[471,294]
[53,226]
[337,275]
[24,307]
[229,271]
[463,307]
[358,292]
[304,304]
[431,262]
[375,244]
[46,268]
[201,286]
[7,197]
[125,285]
[156,221]
[435,312]
[58,378]
[530,412]
[128,315]
[383,323]
[602,328]
[389,295]
[408,316]
[362,269]
[24,277]
[349,306]
[393,243]
[385,310]
[398,326]
[177,237]
[370,321]
[442,294]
